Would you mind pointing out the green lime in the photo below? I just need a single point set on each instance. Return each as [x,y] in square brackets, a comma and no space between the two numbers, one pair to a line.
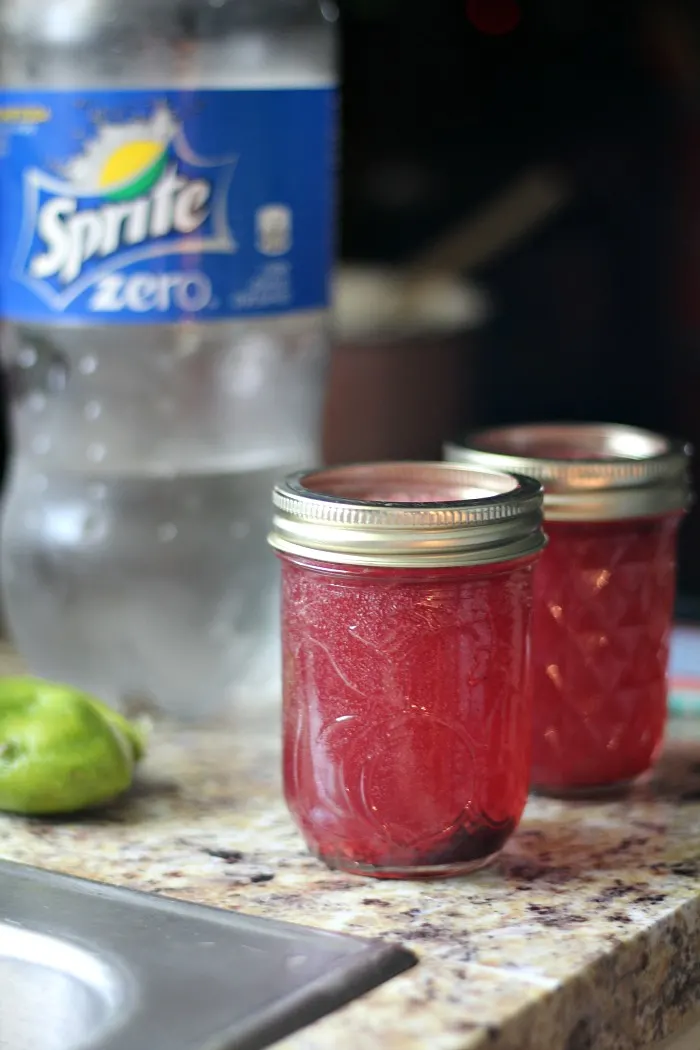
[61,750]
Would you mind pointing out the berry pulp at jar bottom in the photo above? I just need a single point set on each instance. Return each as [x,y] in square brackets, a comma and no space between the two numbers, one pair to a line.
[407,712]
[604,596]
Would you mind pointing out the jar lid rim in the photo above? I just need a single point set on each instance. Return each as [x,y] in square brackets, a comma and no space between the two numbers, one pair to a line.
[603,470]
[484,515]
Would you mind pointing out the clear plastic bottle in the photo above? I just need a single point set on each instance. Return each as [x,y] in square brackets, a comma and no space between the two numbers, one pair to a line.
[165,169]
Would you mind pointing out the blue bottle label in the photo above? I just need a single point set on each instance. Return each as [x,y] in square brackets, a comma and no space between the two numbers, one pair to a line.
[142,206]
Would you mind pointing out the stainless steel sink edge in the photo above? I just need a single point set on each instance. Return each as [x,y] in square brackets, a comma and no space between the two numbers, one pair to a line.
[175,976]
[335,990]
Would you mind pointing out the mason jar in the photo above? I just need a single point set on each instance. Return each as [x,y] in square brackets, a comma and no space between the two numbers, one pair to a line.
[407,595]
[604,593]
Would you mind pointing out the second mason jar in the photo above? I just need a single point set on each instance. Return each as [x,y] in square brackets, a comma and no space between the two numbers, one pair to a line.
[407,591]
[604,593]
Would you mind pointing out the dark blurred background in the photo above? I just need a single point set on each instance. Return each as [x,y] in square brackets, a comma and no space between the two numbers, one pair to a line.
[595,309]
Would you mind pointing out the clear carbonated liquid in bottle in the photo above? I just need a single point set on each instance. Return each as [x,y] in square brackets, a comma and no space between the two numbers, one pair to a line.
[166,215]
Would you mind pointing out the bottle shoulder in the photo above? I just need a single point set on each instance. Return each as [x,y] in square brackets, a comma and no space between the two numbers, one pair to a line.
[68,44]
[186,20]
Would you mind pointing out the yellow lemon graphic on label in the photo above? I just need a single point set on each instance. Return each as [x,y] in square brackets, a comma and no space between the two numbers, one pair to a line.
[134,167]
[124,160]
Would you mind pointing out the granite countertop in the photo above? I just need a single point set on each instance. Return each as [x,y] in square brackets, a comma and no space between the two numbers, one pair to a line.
[583,936]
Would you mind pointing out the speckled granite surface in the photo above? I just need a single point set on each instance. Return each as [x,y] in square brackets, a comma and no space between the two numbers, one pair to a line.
[584,936]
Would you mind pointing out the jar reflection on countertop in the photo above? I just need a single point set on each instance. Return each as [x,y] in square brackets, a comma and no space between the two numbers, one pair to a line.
[604,593]
[407,594]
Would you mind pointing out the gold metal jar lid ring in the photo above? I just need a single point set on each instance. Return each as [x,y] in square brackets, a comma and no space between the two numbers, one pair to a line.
[407,514]
[602,471]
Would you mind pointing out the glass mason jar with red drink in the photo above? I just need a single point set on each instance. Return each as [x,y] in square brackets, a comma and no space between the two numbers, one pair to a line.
[407,594]
[604,593]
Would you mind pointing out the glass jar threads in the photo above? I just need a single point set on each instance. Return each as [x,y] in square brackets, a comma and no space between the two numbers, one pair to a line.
[604,592]
[407,593]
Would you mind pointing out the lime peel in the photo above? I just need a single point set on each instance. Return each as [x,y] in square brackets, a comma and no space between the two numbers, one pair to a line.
[62,750]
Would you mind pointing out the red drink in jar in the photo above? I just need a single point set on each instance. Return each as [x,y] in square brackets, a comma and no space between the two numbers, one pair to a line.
[407,592]
[604,592]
